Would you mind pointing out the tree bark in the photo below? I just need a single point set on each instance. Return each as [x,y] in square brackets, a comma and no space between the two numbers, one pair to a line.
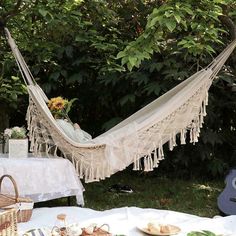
[225,20]
[4,117]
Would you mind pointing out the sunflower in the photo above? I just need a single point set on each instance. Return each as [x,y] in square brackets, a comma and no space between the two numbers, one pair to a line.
[60,107]
[57,104]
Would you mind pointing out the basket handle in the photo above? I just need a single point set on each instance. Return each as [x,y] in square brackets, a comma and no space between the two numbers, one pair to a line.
[14,185]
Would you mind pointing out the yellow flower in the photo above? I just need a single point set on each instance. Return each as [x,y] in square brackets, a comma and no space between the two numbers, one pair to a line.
[57,104]
[60,107]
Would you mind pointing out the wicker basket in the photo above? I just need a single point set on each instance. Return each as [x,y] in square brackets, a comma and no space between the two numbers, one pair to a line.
[8,223]
[24,206]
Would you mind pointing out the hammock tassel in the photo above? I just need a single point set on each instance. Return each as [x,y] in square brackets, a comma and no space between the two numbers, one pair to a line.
[172,141]
[160,152]
[145,161]
[91,174]
[97,174]
[148,163]
[135,164]
[86,175]
[138,160]
[103,173]
[183,136]
[155,158]
[206,99]
[204,109]
[191,133]
[55,152]
[73,161]
[76,165]
[201,121]
[81,169]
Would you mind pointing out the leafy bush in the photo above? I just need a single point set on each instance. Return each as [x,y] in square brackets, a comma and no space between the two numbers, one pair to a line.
[117,56]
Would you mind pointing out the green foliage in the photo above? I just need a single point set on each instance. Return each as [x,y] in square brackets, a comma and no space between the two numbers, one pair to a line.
[202,233]
[117,56]
[10,89]
[167,25]
[16,133]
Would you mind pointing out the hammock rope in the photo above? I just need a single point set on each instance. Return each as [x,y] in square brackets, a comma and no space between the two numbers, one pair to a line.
[139,139]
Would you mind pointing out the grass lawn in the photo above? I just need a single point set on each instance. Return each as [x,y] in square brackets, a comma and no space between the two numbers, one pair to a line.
[189,196]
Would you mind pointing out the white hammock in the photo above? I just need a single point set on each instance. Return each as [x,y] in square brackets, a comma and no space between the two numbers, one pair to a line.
[142,135]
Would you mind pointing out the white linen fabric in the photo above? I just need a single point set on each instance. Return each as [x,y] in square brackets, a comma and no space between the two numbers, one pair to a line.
[142,135]
[77,134]
[42,179]
[125,220]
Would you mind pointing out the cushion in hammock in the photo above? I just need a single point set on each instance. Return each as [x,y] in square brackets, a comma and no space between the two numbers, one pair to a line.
[78,135]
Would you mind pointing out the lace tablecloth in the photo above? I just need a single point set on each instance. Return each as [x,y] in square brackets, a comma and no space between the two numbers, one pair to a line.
[124,221]
[42,179]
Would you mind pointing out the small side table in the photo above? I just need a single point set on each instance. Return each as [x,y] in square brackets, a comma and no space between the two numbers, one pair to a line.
[42,179]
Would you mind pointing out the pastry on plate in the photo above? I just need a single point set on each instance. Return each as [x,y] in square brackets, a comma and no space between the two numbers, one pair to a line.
[154,228]
[165,229]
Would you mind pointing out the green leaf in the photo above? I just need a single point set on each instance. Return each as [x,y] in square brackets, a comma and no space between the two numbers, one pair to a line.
[126,99]
[77,77]
[170,24]
[201,233]
[124,60]
[182,42]
[188,10]
[177,18]
[121,54]
[153,87]
[43,12]
[157,90]
[69,104]
[132,61]
[69,51]
[54,75]
[15,78]
[152,67]
[129,66]
[154,21]
[210,49]
[209,233]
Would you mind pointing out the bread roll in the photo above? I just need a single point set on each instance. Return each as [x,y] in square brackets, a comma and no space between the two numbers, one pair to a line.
[165,229]
[153,228]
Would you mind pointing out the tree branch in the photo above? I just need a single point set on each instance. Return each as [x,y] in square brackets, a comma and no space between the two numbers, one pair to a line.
[14,11]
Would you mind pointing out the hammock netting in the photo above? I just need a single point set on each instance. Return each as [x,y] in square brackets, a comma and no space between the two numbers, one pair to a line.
[139,139]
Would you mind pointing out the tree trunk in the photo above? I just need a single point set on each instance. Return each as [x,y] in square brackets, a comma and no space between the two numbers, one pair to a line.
[4,117]
[229,23]
[4,123]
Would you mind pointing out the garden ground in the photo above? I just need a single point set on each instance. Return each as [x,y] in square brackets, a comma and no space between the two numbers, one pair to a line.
[198,197]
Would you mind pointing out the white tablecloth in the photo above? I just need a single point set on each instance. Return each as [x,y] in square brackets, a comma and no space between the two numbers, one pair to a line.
[125,220]
[42,179]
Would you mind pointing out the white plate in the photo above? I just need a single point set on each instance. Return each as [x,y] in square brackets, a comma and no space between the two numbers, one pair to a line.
[174,230]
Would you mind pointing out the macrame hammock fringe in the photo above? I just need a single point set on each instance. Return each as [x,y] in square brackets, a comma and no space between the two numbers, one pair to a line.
[139,139]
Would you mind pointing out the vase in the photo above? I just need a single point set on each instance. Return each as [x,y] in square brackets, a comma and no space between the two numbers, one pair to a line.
[18,148]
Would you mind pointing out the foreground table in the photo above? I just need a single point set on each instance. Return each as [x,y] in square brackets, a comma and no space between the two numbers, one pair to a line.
[124,221]
[42,179]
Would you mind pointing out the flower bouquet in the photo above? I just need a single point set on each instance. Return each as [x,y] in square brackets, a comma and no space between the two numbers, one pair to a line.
[17,141]
[60,107]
